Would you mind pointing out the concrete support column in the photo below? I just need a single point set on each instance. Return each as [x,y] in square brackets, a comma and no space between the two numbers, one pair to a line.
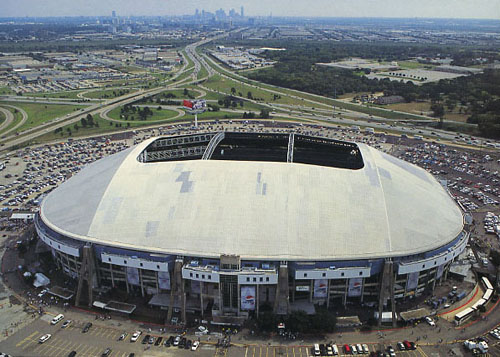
[157,285]
[239,298]
[257,299]
[345,291]
[328,293]
[311,290]
[201,298]
[126,281]
[112,277]
[140,280]
[362,289]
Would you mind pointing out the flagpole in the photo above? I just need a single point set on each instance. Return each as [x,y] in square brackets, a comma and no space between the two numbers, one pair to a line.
[196,120]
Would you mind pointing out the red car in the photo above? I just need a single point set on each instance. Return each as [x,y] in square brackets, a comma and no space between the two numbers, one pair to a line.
[347,349]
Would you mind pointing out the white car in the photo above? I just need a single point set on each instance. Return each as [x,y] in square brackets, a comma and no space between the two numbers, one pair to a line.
[430,321]
[44,338]
[195,345]
[135,336]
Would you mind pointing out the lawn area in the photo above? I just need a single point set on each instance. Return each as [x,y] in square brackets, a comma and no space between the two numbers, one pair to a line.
[6,90]
[17,118]
[184,75]
[224,85]
[411,65]
[424,108]
[420,108]
[104,126]
[72,94]
[108,93]
[178,93]
[2,117]
[41,113]
[158,115]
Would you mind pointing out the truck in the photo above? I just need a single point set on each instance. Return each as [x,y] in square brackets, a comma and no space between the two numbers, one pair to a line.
[460,295]
[473,345]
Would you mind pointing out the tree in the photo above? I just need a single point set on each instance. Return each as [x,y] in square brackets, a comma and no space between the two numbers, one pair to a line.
[437,110]
[84,122]
[90,120]
[249,95]
[233,90]
[264,114]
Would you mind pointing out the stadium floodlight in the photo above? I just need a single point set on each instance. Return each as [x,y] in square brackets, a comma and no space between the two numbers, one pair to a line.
[195,107]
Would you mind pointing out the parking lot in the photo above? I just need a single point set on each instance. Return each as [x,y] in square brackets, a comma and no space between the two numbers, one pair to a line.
[98,338]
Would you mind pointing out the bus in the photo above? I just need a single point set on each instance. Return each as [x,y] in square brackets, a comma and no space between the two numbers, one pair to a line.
[486,283]
[464,315]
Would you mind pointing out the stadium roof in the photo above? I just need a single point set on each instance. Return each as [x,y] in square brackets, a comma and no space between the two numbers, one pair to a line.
[258,210]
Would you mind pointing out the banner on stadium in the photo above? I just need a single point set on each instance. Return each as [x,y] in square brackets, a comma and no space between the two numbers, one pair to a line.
[195,105]
[320,288]
[133,276]
[248,297]
[195,287]
[412,281]
[355,286]
[164,280]
[439,271]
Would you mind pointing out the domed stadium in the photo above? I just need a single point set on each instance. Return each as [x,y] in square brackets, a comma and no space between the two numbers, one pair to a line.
[222,223]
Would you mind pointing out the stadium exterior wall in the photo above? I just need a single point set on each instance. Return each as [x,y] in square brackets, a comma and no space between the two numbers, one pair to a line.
[334,282]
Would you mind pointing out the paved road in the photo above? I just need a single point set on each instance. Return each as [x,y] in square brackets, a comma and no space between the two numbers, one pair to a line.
[9,118]
[23,119]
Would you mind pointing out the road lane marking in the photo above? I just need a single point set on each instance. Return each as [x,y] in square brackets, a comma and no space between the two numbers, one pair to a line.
[26,339]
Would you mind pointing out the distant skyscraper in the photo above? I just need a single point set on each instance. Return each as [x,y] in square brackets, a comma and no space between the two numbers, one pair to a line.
[114,13]
[242,13]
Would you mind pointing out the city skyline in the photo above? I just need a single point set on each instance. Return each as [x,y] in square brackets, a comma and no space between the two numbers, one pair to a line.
[489,9]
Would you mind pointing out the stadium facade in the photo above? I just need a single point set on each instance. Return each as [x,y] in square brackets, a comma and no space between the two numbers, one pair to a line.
[223,223]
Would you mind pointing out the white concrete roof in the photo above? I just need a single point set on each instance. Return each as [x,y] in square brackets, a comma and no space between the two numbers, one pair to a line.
[258,210]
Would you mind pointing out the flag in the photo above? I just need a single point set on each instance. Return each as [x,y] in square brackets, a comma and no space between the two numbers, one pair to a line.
[187,104]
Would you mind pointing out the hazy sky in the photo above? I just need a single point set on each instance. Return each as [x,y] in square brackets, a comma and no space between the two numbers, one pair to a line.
[342,8]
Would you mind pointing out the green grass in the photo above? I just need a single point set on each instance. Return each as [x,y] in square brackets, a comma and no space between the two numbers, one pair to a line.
[362,109]
[411,65]
[108,93]
[6,90]
[17,118]
[41,113]
[2,118]
[65,94]
[302,97]
[184,75]
[190,63]
[179,94]
[158,115]
[104,127]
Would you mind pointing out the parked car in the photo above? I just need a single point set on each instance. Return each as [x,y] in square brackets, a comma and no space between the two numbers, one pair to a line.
[145,339]
[135,336]
[122,336]
[87,327]
[45,338]
[66,323]
[106,352]
[430,321]
[195,345]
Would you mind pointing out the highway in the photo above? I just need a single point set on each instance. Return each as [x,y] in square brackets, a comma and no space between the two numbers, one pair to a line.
[310,109]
